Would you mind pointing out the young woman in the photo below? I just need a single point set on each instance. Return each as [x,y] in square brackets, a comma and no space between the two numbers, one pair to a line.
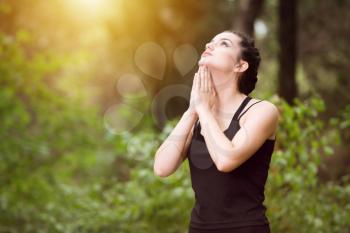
[228,147]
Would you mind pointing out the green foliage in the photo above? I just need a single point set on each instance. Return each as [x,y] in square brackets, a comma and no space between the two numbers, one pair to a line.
[62,172]
[343,123]
[43,139]
[296,200]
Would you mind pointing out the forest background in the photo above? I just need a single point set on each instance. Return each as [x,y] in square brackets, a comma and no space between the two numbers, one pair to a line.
[90,88]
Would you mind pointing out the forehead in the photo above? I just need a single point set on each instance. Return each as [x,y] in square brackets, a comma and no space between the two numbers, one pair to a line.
[227,35]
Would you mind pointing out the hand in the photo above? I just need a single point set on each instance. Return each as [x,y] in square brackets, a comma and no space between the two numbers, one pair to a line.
[191,109]
[203,92]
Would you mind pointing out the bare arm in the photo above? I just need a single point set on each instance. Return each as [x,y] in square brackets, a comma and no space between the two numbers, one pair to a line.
[173,150]
[228,155]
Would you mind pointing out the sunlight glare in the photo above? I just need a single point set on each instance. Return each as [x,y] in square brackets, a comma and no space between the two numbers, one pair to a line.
[90,8]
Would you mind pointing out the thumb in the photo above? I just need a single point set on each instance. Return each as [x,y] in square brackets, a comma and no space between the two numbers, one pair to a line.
[213,90]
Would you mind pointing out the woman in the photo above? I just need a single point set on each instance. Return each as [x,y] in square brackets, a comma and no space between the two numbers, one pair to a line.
[228,147]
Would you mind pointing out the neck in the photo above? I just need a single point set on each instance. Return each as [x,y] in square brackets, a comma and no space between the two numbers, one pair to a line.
[228,96]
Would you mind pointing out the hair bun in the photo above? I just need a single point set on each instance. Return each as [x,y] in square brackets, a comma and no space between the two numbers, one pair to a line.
[247,81]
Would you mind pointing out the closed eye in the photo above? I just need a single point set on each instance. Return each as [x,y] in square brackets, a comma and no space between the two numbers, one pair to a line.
[224,43]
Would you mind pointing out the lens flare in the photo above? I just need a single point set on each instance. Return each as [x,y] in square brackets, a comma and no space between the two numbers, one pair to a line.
[90,8]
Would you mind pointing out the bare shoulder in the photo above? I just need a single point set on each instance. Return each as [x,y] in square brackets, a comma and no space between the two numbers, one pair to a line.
[263,109]
[269,107]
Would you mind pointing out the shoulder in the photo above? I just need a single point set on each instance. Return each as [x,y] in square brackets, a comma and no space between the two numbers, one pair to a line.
[267,107]
[262,108]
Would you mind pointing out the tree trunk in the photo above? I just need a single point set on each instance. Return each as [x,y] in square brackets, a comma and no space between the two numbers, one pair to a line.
[247,12]
[287,37]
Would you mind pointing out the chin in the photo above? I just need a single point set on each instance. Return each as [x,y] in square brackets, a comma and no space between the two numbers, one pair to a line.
[214,66]
[205,61]
[202,61]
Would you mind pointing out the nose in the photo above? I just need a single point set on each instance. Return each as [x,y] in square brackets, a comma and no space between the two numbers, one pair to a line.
[209,45]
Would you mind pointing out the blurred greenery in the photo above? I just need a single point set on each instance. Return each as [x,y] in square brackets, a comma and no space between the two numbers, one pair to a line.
[63,169]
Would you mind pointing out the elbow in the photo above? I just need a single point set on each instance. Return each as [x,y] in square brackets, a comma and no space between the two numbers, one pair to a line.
[225,166]
[222,168]
[158,172]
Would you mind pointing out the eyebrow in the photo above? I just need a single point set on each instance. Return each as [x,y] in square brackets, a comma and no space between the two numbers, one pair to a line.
[223,39]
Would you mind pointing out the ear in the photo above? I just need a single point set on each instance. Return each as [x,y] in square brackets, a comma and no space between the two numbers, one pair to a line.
[241,66]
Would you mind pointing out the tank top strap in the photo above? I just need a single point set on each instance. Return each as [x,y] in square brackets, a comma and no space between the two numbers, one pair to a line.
[241,107]
[238,111]
[248,109]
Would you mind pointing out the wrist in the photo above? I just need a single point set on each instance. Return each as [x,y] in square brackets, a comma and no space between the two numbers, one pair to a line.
[203,111]
[191,113]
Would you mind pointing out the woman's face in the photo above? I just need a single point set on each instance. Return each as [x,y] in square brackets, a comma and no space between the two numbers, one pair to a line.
[221,52]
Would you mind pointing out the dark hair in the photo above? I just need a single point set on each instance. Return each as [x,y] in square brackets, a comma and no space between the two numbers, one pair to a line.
[246,81]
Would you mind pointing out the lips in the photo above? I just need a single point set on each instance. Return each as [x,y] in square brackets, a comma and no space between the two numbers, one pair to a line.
[206,53]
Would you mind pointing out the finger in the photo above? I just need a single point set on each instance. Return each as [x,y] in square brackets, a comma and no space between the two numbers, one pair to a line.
[196,81]
[207,83]
[207,79]
[212,86]
[211,81]
[199,78]
[199,83]
[202,79]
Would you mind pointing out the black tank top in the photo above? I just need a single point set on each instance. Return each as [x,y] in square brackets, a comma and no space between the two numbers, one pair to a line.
[225,200]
